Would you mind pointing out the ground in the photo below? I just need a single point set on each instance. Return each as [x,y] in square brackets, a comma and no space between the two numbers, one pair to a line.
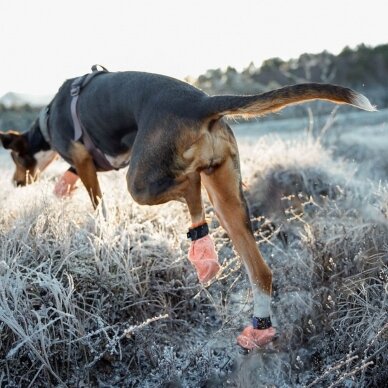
[89,301]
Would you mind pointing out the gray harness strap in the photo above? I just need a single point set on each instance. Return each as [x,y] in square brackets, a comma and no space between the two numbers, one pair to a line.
[43,124]
[80,132]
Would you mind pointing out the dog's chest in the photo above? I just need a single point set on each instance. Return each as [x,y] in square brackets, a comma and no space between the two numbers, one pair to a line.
[44,158]
[119,161]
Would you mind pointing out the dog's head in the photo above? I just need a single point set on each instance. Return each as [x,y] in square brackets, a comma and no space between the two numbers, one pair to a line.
[28,164]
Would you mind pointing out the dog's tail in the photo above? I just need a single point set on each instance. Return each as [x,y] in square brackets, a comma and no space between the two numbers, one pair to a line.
[273,101]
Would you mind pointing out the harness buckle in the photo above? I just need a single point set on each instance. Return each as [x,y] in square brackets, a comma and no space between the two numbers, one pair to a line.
[75,90]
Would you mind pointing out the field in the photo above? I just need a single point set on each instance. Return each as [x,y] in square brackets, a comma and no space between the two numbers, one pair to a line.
[93,301]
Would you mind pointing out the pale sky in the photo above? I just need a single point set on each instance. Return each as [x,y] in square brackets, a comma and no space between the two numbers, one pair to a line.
[43,42]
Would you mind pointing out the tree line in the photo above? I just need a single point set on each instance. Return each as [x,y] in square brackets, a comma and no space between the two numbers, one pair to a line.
[363,68]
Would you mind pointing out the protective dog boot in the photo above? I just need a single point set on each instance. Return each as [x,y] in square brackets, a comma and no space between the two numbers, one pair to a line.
[203,256]
[251,338]
[66,184]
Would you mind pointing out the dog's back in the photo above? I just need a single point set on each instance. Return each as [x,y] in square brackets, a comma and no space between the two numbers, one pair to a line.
[114,106]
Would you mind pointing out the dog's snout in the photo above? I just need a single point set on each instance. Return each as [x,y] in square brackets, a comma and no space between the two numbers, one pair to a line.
[19,183]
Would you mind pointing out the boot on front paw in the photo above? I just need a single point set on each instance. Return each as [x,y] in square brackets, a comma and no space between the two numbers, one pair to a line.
[66,184]
[203,256]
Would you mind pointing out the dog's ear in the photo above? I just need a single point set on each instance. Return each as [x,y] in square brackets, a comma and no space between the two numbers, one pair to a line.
[14,141]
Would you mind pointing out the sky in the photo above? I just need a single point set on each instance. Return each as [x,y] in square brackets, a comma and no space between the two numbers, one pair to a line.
[44,42]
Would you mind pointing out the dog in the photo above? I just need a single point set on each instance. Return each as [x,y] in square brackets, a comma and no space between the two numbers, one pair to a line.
[174,138]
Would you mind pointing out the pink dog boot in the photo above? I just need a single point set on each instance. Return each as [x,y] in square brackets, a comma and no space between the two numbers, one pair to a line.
[202,253]
[66,184]
[253,337]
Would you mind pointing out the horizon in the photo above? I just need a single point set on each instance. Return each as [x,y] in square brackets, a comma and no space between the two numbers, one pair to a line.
[20,93]
[46,42]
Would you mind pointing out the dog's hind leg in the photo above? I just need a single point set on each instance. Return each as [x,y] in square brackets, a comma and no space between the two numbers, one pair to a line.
[202,253]
[193,199]
[86,170]
[225,192]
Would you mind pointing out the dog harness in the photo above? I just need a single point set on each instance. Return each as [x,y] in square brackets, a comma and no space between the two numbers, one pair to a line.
[80,133]
[43,123]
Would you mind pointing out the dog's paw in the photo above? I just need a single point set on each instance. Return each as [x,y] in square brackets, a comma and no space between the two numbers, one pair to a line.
[251,338]
[66,184]
[203,256]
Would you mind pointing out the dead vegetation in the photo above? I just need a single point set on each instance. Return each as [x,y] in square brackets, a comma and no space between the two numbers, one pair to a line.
[88,301]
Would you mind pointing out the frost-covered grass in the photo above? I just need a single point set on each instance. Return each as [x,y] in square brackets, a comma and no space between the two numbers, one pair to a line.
[88,301]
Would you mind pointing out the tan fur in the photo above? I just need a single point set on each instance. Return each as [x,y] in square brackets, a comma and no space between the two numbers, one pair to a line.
[223,187]
[23,176]
[86,170]
[209,149]
[223,184]
[193,199]
[275,100]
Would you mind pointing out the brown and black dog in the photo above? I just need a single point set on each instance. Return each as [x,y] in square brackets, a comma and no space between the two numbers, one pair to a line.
[175,139]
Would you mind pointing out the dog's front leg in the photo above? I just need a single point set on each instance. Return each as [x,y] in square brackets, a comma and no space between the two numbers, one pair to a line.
[202,253]
[225,192]
[86,170]
[67,183]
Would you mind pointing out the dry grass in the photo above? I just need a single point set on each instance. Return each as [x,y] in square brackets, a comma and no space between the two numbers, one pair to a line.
[113,302]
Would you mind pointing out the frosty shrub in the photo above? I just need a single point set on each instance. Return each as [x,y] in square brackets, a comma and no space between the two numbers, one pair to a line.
[89,301]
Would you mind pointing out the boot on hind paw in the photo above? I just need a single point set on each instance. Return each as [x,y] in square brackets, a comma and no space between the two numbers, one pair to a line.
[251,338]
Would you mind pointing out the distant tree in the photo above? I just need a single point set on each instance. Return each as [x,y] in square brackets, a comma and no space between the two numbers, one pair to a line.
[346,51]
[271,63]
